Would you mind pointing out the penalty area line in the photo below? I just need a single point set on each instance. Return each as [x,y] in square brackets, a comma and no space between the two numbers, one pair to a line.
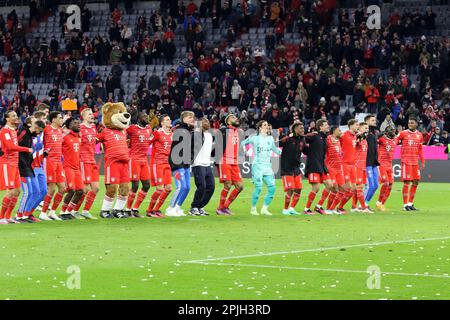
[373,244]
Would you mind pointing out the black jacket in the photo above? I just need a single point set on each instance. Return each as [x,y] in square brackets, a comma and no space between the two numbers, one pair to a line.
[372,149]
[178,159]
[25,139]
[292,148]
[317,148]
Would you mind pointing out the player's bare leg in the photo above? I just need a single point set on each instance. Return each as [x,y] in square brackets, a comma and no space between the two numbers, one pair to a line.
[8,204]
[238,187]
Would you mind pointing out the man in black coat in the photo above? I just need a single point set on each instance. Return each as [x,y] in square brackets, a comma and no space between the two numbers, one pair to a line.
[180,162]
[292,147]
[316,171]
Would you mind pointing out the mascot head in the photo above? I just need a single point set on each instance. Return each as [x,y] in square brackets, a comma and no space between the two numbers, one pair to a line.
[115,116]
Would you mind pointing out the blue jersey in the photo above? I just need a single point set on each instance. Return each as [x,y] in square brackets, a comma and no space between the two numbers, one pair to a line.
[263,146]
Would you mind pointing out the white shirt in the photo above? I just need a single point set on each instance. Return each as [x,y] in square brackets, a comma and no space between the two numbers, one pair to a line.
[203,158]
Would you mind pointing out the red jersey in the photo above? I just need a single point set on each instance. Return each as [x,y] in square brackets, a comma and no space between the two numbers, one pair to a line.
[53,143]
[140,140]
[230,154]
[114,144]
[162,143]
[361,154]
[386,148]
[348,144]
[411,146]
[88,143]
[71,150]
[10,146]
[333,157]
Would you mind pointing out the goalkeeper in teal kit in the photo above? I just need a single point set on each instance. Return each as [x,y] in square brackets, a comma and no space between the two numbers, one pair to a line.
[263,146]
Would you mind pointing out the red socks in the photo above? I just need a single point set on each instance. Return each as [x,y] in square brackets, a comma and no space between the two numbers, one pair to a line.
[287,200]
[311,197]
[90,198]
[324,196]
[57,200]
[331,199]
[295,199]
[140,198]
[46,204]
[11,205]
[154,199]
[161,199]
[347,195]
[337,199]
[412,193]
[360,196]
[232,197]
[80,202]
[130,200]
[405,193]
[355,198]
[223,197]
[5,205]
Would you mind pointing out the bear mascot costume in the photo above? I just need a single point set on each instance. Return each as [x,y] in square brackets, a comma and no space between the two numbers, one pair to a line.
[115,120]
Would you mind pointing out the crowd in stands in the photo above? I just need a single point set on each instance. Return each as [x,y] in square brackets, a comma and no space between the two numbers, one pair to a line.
[338,68]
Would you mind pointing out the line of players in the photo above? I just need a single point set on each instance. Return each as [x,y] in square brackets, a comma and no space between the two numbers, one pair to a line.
[58,165]
[342,161]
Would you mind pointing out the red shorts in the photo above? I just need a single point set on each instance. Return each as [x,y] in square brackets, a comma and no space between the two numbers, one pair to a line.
[160,174]
[54,171]
[317,177]
[349,173]
[337,177]
[292,182]
[229,172]
[9,177]
[74,180]
[361,177]
[117,172]
[410,172]
[89,172]
[139,170]
[386,174]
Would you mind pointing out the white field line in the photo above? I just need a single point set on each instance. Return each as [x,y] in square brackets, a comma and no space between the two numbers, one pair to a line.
[373,244]
[238,265]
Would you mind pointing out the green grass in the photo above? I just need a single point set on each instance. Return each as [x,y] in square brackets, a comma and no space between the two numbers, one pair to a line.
[147,258]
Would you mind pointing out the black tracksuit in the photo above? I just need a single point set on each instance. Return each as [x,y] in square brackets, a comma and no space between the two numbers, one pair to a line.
[292,148]
[317,148]
[372,149]
[25,139]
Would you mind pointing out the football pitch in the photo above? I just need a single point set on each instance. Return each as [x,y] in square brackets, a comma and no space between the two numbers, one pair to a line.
[389,255]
